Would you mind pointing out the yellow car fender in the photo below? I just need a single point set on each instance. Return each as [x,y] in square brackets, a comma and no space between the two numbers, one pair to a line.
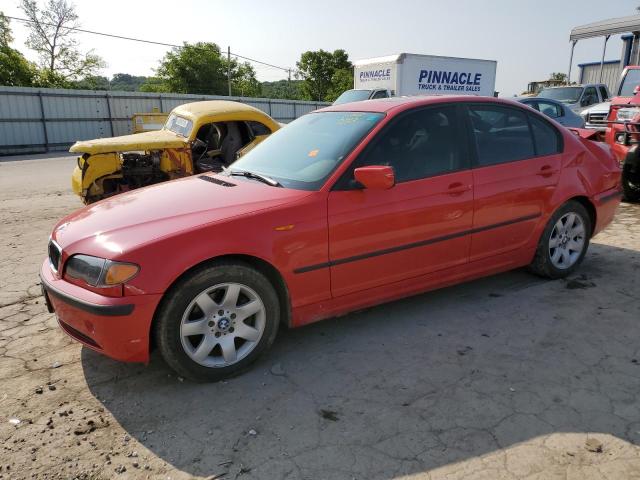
[89,169]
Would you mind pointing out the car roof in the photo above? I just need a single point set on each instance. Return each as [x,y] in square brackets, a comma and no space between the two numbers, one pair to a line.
[385,105]
[207,107]
[580,85]
[224,110]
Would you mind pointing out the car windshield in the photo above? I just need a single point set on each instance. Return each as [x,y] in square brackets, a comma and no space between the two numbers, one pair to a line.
[179,125]
[630,82]
[352,96]
[303,154]
[562,94]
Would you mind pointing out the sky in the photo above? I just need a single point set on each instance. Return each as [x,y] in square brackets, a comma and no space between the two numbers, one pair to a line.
[528,39]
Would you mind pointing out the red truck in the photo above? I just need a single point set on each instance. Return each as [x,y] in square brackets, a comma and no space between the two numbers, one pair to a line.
[623,134]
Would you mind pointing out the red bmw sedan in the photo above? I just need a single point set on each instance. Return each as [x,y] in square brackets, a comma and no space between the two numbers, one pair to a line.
[347,207]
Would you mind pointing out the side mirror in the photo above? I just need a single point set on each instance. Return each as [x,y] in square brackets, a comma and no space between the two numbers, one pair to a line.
[636,90]
[375,177]
[585,101]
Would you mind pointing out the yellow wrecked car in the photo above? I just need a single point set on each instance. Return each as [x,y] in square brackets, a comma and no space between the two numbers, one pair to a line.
[197,137]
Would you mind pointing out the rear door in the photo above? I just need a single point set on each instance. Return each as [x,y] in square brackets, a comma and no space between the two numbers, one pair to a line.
[516,167]
[421,225]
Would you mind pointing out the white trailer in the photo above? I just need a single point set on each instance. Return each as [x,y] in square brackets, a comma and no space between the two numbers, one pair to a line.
[412,74]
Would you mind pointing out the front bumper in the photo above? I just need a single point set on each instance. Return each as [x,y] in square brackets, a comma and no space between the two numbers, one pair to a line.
[117,327]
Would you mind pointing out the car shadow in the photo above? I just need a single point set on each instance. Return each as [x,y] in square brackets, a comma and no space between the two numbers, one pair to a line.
[405,387]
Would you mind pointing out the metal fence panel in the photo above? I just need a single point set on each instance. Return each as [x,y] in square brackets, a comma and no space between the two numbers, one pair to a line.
[40,120]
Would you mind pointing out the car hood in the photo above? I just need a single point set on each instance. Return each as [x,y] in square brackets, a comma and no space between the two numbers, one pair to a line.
[597,108]
[134,142]
[130,220]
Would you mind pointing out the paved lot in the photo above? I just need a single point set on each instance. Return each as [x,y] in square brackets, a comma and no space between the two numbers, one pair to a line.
[509,377]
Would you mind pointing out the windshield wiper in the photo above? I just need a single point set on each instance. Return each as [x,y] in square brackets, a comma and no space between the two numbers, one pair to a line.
[255,176]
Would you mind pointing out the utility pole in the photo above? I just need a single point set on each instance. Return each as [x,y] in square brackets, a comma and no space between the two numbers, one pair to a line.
[289,92]
[229,68]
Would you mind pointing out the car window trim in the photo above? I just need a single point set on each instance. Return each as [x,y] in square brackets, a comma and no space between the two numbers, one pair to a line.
[342,183]
[472,142]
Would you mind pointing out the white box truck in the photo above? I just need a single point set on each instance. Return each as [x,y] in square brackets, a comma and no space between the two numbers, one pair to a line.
[412,74]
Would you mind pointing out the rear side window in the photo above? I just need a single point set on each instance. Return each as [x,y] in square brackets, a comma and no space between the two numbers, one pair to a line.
[546,138]
[550,109]
[380,94]
[258,128]
[501,134]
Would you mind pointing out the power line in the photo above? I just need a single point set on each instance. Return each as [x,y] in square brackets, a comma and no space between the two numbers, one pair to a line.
[152,42]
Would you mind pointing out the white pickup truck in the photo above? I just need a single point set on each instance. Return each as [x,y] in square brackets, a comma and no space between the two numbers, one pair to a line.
[577,97]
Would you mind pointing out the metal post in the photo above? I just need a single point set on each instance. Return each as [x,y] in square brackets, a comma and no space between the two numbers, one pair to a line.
[604,49]
[573,46]
[161,105]
[44,122]
[109,113]
[229,68]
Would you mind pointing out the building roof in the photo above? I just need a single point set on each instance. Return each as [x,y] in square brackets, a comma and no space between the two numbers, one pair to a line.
[611,26]
[606,62]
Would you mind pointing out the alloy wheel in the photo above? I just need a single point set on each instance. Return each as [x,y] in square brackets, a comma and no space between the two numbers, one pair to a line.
[567,241]
[222,325]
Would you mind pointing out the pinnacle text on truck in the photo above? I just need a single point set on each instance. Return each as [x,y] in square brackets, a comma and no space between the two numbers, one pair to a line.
[412,74]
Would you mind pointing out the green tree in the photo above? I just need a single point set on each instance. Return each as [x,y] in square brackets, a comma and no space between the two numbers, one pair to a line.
[15,70]
[317,69]
[243,80]
[558,77]
[194,68]
[126,82]
[154,84]
[94,82]
[202,68]
[287,89]
[341,80]
[51,36]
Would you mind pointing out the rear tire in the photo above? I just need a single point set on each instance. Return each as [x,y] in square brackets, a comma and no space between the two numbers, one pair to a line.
[217,321]
[564,242]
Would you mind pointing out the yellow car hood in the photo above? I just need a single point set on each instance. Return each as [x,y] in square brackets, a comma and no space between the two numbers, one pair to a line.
[136,142]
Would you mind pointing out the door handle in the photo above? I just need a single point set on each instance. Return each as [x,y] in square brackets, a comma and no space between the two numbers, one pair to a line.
[547,171]
[458,188]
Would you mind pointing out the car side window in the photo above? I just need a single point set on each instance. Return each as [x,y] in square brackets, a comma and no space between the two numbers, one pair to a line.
[603,93]
[547,139]
[380,94]
[501,134]
[258,128]
[551,110]
[419,144]
[589,97]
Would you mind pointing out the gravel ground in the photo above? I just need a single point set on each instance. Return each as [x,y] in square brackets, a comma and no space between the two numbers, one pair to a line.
[508,377]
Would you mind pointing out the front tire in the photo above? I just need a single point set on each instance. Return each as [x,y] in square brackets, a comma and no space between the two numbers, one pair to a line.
[217,321]
[564,242]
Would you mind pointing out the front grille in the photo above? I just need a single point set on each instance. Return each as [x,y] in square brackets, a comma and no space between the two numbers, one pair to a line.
[55,254]
[597,119]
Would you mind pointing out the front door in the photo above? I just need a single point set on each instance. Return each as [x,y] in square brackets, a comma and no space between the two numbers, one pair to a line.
[420,225]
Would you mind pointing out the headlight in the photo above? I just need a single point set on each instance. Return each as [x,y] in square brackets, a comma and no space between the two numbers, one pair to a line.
[627,114]
[99,272]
